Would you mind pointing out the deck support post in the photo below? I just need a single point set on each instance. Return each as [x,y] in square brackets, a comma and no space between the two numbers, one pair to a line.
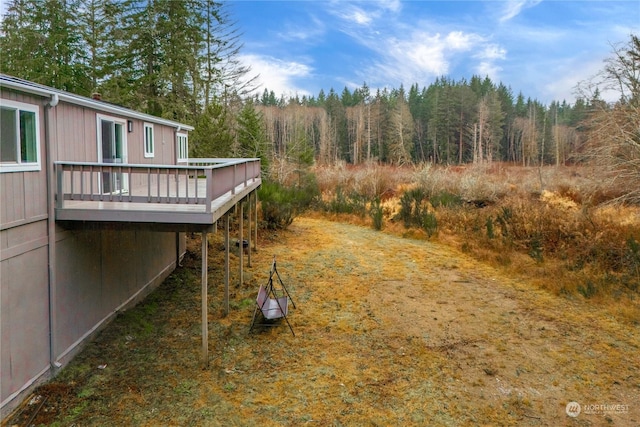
[249,218]
[255,220]
[205,304]
[241,242]
[226,264]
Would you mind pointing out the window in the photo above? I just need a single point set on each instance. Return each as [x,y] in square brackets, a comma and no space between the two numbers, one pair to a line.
[183,147]
[112,148]
[148,140]
[19,137]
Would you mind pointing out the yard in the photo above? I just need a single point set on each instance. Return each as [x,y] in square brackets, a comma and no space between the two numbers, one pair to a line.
[389,331]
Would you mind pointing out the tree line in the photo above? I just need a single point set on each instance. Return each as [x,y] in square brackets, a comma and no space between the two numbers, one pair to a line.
[179,60]
[448,122]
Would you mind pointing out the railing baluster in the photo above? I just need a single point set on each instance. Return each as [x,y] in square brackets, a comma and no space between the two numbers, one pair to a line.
[130,189]
[111,182]
[177,179]
[168,184]
[186,176]
[91,183]
[81,182]
[71,173]
[148,185]
[158,185]
[120,182]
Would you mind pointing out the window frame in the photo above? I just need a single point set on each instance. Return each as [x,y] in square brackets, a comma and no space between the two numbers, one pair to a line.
[19,165]
[149,145]
[182,150]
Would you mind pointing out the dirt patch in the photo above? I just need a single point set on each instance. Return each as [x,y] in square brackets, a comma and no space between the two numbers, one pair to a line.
[389,331]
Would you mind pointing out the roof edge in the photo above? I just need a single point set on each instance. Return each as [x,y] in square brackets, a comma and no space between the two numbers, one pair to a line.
[42,90]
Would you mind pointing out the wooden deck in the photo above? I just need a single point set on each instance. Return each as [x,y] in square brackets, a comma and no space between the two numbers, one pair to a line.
[163,194]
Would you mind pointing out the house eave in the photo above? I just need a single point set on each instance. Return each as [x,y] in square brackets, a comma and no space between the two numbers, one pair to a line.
[45,91]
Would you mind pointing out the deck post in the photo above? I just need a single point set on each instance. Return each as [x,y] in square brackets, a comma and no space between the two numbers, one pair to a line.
[226,264]
[255,219]
[249,218]
[241,241]
[205,305]
[208,173]
[59,196]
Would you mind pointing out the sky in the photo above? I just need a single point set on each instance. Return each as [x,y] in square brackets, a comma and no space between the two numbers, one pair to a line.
[540,48]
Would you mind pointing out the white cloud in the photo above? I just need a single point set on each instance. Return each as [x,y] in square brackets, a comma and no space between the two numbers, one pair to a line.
[354,15]
[458,40]
[424,56]
[488,56]
[364,17]
[561,81]
[487,68]
[512,8]
[312,30]
[277,75]
[493,51]
[392,5]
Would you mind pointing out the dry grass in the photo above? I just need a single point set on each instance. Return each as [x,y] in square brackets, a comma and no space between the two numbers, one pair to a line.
[389,331]
[370,181]
[534,222]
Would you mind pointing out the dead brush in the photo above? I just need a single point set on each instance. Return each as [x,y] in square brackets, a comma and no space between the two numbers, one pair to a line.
[536,221]
[330,177]
[374,180]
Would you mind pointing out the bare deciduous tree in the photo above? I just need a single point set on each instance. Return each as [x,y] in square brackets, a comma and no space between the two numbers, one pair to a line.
[614,129]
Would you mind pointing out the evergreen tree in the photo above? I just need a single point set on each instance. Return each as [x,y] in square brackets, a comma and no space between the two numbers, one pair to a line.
[212,136]
[41,43]
[251,136]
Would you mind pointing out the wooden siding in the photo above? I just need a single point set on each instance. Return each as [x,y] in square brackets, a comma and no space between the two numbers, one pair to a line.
[98,271]
[18,240]
[163,136]
[23,195]
[24,320]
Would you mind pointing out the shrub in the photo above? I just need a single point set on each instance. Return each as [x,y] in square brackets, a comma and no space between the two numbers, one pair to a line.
[352,203]
[445,199]
[376,213]
[490,232]
[504,219]
[411,207]
[429,223]
[589,290]
[280,205]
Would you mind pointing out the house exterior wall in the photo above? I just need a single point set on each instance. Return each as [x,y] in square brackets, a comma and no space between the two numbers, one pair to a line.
[27,190]
[96,272]
[100,272]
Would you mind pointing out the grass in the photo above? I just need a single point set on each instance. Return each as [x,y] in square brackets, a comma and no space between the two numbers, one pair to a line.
[533,222]
[461,327]
[389,331]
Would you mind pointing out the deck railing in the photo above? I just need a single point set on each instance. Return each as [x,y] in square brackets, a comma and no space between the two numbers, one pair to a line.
[198,183]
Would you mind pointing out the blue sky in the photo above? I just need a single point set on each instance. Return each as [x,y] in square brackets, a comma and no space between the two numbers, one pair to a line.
[540,48]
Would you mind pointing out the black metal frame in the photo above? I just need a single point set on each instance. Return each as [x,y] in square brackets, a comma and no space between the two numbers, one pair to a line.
[271,291]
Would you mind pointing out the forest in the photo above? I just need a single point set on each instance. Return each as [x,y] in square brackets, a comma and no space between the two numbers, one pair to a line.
[179,60]
[513,195]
